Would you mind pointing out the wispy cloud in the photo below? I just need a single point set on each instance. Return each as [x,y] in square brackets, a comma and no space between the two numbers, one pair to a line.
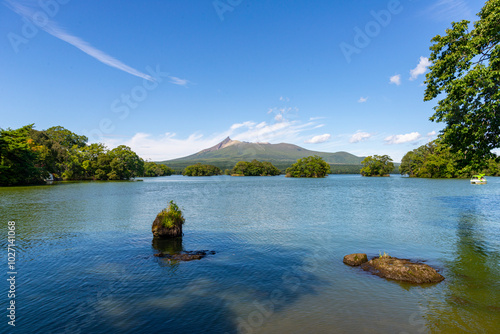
[318,139]
[359,136]
[395,79]
[400,139]
[179,81]
[52,28]
[420,69]
[449,10]
[362,99]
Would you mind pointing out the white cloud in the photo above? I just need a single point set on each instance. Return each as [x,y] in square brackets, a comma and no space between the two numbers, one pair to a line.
[278,118]
[431,134]
[400,139]
[359,136]
[395,79]
[362,99]
[52,28]
[316,118]
[420,69]
[244,124]
[179,81]
[318,139]
[169,146]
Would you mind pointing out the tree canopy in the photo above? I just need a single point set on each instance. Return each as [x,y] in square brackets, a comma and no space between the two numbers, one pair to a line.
[465,74]
[435,160]
[312,166]
[201,170]
[255,168]
[377,165]
[27,156]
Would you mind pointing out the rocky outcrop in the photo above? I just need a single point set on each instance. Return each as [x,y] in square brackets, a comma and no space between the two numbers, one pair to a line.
[161,231]
[168,223]
[402,270]
[355,259]
[186,255]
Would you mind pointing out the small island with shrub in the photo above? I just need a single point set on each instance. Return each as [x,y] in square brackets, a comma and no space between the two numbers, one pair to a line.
[201,170]
[377,165]
[255,168]
[313,166]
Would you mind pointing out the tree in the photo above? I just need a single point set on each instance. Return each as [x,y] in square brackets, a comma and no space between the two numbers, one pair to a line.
[465,70]
[125,163]
[153,169]
[255,168]
[201,170]
[435,160]
[19,158]
[312,166]
[377,165]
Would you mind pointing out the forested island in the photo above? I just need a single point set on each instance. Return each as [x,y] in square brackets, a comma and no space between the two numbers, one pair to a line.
[436,160]
[29,156]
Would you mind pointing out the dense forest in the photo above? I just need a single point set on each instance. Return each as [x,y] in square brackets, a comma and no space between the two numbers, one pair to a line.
[435,160]
[28,156]
[255,168]
[201,170]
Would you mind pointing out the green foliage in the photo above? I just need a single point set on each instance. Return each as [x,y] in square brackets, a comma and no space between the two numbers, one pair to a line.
[465,72]
[125,163]
[27,156]
[171,216]
[313,166]
[435,160]
[255,168]
[153,169]
[20,158]
[201,170]
[377,165]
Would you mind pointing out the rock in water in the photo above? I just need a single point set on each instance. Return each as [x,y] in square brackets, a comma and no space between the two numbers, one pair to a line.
[402,270]
[168,223]
[355,259]
[186,256]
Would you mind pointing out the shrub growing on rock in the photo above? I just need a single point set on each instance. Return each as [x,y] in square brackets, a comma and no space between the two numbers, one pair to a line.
[168,223]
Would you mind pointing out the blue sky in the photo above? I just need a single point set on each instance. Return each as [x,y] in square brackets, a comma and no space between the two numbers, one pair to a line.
[169,78]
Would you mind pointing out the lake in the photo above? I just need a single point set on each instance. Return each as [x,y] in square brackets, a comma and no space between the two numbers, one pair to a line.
[85,258]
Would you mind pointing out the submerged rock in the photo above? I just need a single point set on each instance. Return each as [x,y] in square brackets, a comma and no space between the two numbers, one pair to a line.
[355,259]
[186,255]
[402,270]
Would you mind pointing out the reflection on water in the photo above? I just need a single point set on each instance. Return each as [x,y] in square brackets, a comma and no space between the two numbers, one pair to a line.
[472,302]
[86,255]
[168,246]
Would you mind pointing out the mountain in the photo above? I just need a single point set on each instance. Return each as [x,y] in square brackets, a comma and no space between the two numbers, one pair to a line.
[228,152]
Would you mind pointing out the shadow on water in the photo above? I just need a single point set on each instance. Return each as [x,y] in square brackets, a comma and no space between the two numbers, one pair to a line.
[472,272]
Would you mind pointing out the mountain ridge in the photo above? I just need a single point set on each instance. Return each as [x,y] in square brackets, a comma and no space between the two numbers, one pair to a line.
[228,152]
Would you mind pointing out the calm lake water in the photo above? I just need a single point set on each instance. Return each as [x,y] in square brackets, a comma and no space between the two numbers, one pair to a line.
[85,256]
